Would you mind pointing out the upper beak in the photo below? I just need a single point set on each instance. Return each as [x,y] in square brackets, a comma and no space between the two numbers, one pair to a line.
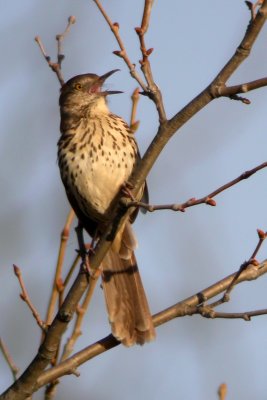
[102,80]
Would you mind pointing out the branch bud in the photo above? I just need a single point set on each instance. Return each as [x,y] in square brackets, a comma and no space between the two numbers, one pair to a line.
[72,19]
[211,202]
[254,262]
[116,25]
[118,53]
[139,31]
[16,270]
[261,234]
[149,51]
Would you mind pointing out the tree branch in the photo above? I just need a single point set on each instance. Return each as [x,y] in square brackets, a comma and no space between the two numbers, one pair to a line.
[180,309]
[208,199]
[56,66]
[25,297]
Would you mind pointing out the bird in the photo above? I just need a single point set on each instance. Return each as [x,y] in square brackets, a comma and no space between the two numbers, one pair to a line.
[97,153]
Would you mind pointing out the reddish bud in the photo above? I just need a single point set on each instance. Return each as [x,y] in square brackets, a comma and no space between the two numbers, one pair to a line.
[59,284]
[22,296]
[261,234]
[138,30]
[254,262]
[117,53]
[149,51]
[16,270]
[116,25]
[211,202]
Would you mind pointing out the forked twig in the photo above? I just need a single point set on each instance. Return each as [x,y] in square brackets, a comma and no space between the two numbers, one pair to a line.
[56,66]
[151,89]
[122,52]
[261,237]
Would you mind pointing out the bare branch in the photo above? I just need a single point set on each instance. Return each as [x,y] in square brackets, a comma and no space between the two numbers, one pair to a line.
[25,297]
[180,309]
[58,285]
[208,312]
[208,199]
[151,90]
[81,310]
[261,237]
[122,52]
[135,99]
[56,66]
[242,88]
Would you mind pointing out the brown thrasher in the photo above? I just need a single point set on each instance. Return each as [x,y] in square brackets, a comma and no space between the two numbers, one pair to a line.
[97,153]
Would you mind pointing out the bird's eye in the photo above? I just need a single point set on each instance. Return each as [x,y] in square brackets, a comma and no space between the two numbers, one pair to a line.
[78,86]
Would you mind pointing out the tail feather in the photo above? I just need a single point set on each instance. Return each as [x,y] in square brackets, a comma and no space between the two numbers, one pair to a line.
[127,306]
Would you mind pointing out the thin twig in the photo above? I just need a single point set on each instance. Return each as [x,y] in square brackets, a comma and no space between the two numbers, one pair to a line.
[208,199]
[153,91]
[14,369]
[222,391]
[232,91]
[58,285]
[81,310]
[122,52]
[25,297]
[134,124]
[261,237]
[56,66]
[208,312]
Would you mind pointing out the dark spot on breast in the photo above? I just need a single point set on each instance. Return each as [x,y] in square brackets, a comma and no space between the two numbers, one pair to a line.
[73,148]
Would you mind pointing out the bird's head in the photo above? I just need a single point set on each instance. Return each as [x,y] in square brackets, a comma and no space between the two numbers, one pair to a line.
[85,90]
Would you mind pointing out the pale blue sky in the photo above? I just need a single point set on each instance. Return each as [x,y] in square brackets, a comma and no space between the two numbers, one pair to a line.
[179,254]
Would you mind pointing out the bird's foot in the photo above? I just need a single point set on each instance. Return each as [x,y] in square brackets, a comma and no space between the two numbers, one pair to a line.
[126,190]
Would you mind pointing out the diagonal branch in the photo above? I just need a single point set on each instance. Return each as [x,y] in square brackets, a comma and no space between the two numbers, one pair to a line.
[180,309]
[208,199]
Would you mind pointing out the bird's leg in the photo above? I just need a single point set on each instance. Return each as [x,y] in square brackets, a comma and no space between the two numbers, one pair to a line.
[126,188]
[84,253]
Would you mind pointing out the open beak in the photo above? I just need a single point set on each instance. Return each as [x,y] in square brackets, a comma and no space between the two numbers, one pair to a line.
[103,78]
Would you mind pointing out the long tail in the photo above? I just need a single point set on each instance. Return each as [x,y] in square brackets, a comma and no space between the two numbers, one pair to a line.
[127,306]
